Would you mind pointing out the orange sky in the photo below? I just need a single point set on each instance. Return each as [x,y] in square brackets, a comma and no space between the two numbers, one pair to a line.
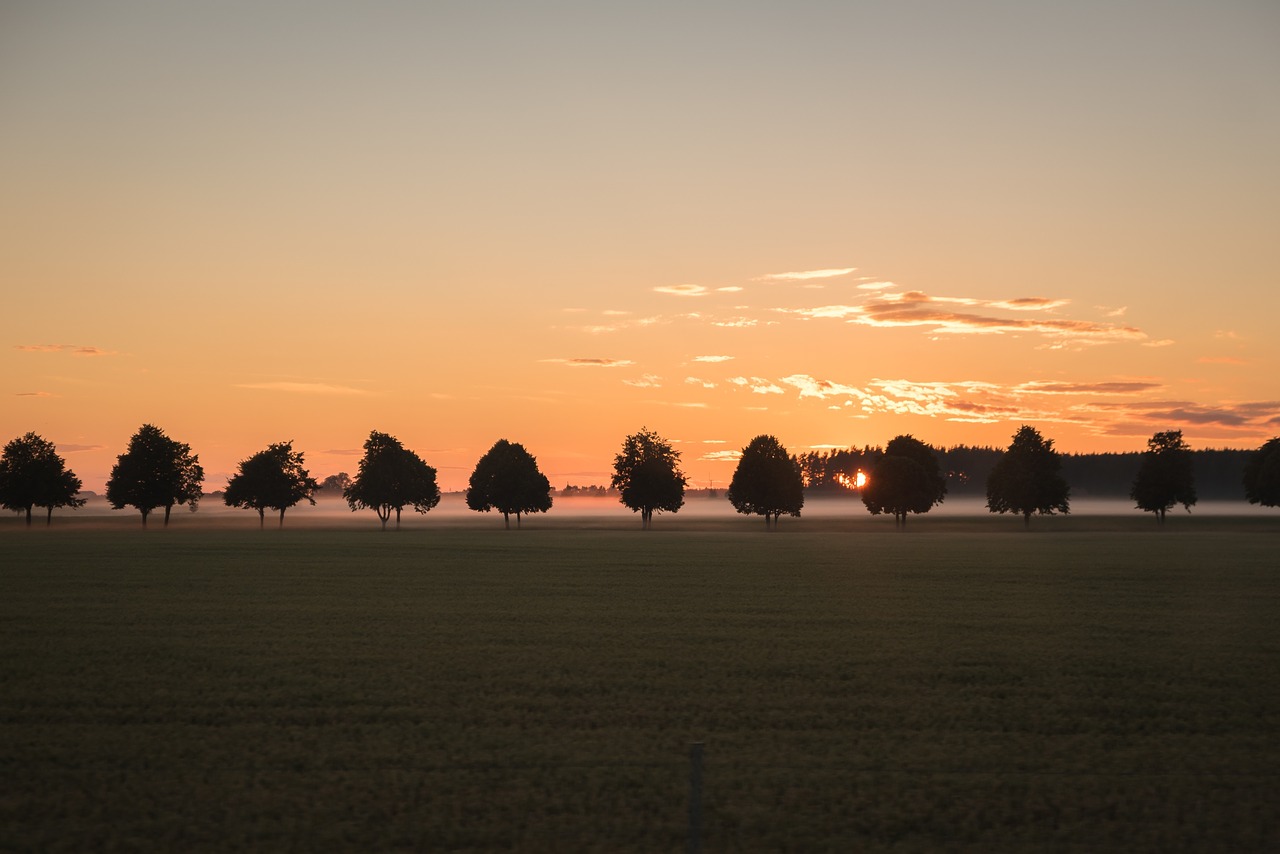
[557,223]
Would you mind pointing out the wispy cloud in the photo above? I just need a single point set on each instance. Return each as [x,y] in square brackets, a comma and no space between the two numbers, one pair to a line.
[698,382]
[304,388]
[757,385]
[646,381]
[729,289]
[712,358]
[1247,416]
[682,290]
[35,394]
[721,456]
[73,349]
[592,363]
[821,389]
[876,286]
[75,449]
[916,308]
[1036,387]
[344,452]
[806,275]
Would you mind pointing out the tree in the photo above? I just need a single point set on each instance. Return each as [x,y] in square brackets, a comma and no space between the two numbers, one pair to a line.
[905,479]
[274,478]
[155,471]
[647,475]
[1026,480]
[33,475]
[767,482]
[390,478]
[335,484]
[1165,476]
[1262,475]
[507,479]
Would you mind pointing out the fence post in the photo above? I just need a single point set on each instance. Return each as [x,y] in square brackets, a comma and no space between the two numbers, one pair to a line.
[695,798]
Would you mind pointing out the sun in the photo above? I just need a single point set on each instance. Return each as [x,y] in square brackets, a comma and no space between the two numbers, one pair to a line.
[858,481]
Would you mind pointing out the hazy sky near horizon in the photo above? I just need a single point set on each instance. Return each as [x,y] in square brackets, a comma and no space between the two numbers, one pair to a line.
[557,222]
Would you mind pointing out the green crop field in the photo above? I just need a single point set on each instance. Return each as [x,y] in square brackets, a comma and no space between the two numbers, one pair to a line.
[466,688]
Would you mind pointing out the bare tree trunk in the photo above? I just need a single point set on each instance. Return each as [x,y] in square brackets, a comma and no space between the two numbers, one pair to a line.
[28,515]
[281,525]
[506,520]
[262,518]
[48,520]
[397,518]
[517,520]
[168,508]
[144,517]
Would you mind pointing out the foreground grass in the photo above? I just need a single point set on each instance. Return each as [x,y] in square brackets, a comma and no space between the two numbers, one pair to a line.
[537,690]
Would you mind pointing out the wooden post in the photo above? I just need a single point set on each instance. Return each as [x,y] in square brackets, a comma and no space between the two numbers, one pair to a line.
[695,798]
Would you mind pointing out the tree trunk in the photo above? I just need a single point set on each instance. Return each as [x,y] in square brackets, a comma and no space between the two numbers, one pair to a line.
[281,517]
[517,520]
[48,520]
[397,518]
[262,518]
[506,520]
[28,515]
[1026,520]
[144,517]
[168,508]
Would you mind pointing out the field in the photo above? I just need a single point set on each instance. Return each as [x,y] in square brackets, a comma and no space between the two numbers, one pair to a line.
[955,687]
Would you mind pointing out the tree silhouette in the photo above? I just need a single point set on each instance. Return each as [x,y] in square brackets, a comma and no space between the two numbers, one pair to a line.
[274,478]
[33,475]
[647,475]
[507,479]
[1026,480]
[767,482]
[906,479]
[1165,475]
[390,478]
[335,483]
[154,472]
[1262,475]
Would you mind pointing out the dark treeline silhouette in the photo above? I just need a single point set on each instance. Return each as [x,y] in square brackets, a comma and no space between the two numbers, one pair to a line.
[1218,472]
[906,476]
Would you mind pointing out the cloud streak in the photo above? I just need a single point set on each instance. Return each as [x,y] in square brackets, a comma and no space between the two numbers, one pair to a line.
[304,388]
[73,349]
[682,290]
[592,363]
[806,275]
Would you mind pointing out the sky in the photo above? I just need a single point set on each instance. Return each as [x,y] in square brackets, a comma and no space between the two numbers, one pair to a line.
[559,222]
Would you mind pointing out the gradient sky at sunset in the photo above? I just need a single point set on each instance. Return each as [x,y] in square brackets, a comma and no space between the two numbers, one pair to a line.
[557,222]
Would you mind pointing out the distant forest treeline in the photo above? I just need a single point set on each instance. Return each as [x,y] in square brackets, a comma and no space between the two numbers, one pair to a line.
[1219,473]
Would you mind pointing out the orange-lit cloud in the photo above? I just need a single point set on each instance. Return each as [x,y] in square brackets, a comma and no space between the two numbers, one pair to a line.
[757,385]
[592,363]
[682,290]
[806,275]
[1252,414]
[916,308]
[74,448]
[1086,388]
[304,388]
[721,455]
[646,381]
[73,349]
[35,394]
[712,358]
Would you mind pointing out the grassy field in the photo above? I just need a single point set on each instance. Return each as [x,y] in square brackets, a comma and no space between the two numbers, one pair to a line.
[464,689]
